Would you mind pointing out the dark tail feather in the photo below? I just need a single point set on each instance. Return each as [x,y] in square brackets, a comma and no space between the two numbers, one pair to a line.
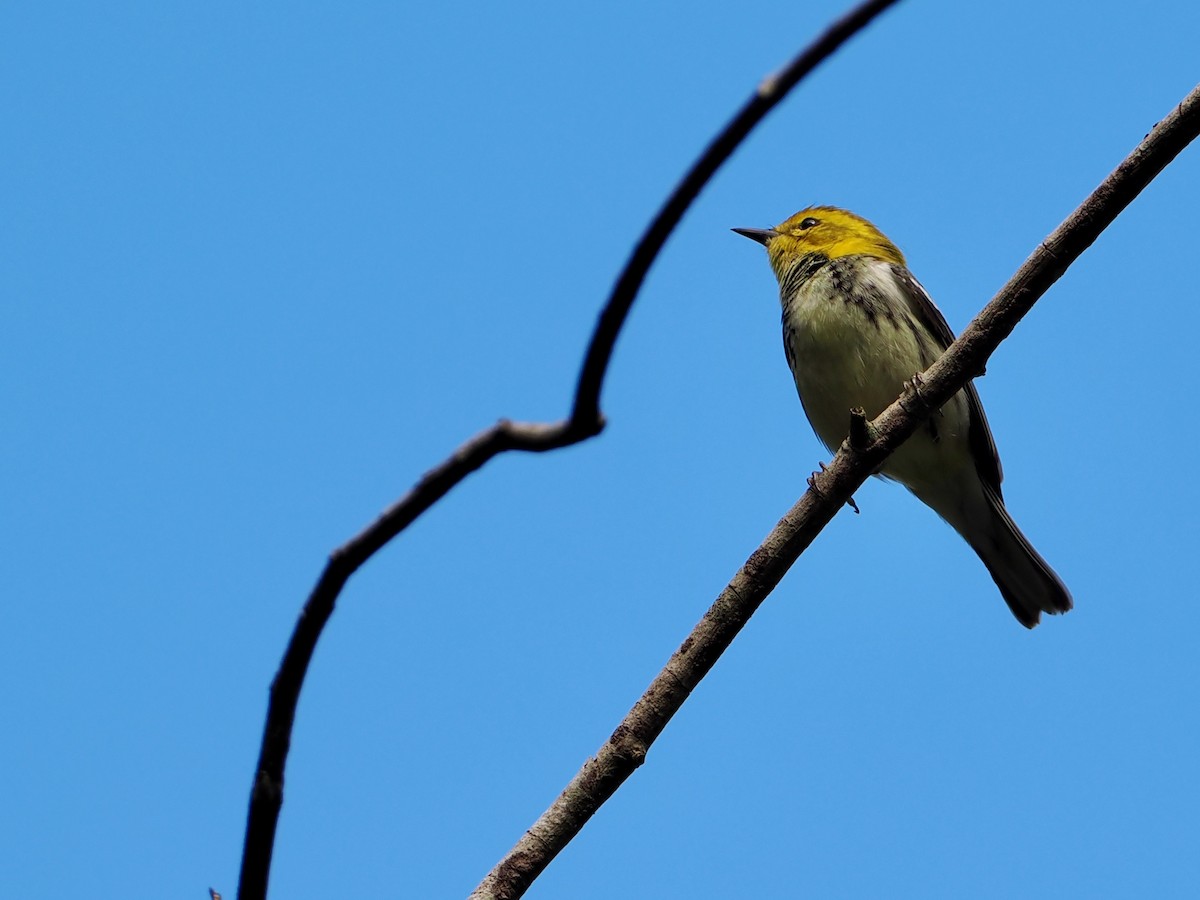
[1027,583]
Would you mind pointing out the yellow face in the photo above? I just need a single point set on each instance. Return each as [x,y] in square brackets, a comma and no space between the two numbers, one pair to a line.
[831,232]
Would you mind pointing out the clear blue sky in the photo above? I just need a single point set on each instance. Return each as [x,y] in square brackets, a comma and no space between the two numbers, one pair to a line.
[262,266]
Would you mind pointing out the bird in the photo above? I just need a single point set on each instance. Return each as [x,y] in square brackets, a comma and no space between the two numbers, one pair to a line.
[856,327]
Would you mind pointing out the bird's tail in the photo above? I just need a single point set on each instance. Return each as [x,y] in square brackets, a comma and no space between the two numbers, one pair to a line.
[1027,583]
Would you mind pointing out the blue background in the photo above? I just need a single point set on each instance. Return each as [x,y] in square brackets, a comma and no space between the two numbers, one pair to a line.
[264,265]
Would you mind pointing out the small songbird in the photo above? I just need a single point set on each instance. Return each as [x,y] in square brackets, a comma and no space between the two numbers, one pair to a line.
[856,326]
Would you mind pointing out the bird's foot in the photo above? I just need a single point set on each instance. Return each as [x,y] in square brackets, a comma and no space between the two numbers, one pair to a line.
[912,392]
[812,483]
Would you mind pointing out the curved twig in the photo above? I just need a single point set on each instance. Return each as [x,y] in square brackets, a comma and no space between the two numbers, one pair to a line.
[625,750]
[769,93]
[586,421]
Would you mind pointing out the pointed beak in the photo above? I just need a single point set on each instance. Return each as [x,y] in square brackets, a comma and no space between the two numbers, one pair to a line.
[762,235]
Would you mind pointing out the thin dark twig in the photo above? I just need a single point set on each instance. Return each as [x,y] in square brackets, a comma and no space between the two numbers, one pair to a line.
[626,749]
[768,95]
[586,421]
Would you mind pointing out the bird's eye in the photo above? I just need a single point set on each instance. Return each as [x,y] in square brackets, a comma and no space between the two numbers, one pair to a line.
[808,223]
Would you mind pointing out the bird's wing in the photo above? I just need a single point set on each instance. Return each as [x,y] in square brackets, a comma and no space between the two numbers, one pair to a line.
[979,436]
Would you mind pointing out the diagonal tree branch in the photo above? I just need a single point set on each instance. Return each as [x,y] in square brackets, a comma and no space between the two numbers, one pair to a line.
[586,421]
[625,750]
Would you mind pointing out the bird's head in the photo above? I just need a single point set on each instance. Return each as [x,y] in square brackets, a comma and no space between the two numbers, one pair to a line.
[825,231]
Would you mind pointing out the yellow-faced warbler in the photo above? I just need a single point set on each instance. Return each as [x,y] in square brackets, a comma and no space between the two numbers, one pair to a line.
[856,326]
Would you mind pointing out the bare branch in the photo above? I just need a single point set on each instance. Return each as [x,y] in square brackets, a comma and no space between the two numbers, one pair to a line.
[626,749]
[586,421]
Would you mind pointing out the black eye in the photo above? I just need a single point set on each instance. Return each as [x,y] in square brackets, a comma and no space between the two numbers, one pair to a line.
[808,223]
